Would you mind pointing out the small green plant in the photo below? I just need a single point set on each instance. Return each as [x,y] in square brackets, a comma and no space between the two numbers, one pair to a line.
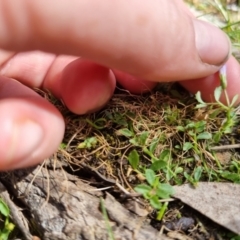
[88,143]
[8,226]
[136,140]
[231,27]
[133,159]
[63,146]
[231,117]
[154,190]
[195,177]
[196,131]
[232,173]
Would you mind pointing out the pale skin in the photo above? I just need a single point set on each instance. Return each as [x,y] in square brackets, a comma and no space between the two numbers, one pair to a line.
[157,40]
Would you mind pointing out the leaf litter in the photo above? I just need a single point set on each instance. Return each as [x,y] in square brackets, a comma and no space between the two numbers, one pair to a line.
[163,132]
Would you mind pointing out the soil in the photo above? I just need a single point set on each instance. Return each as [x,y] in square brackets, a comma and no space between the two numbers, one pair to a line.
[86,193]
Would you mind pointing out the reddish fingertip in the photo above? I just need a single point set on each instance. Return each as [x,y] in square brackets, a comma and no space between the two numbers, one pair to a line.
[85,86]
[133,84]
[208,84]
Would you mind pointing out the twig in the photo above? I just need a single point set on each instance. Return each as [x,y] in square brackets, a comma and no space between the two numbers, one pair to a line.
[167,200]
[126,192]
[121,168]
[224,147]
[100,189]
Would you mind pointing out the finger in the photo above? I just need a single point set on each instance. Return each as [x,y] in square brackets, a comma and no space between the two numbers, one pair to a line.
[53,74]
[65,76]
[51,80]
[5,56]
[208,84]
[131,37]
[86,87]
[30,68]
[31,128]
[134,84]
[35,69]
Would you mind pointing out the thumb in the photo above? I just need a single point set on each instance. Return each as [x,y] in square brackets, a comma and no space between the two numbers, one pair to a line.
[156,40]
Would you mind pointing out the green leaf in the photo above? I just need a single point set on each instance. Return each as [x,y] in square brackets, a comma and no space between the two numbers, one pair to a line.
[150,176]
[169,174]
[178,170]
[165,155]
[189,178]
[204,135]
[154,201]
[235,98]
[146,151]
[124,132]
[143,138]
[134,141]
[162,211]
[199,98]
[8,228]
[191,133]
[217,136]
[153,145]
[63,145]
[143,189]
[4,235]
[200,126]
[180,128]
[157,165]
[234,177]
[227,129]
[191,125]
[187,146]
[4,209]
[198,173]
[88,143]
[120,119]
[164,190]
[217,93]
[109,115]
[133,159]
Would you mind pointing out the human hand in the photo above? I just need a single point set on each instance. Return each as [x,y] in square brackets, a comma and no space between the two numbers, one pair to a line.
[154,40]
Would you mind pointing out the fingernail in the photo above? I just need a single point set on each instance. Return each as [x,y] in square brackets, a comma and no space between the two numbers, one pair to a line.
[213,45]
[26,137]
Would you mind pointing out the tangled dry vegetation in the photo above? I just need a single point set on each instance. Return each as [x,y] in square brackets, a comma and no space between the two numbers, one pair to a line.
[164,132]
